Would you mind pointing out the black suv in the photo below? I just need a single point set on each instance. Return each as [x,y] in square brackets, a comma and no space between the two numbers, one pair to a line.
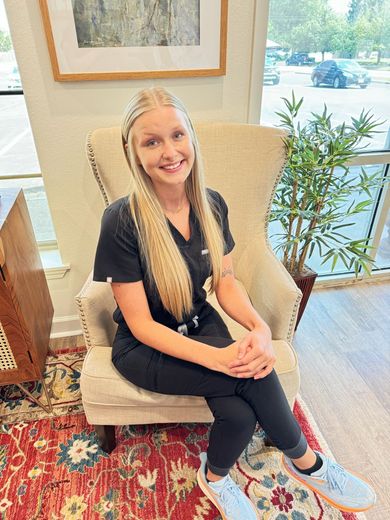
[300,58]
[340,74]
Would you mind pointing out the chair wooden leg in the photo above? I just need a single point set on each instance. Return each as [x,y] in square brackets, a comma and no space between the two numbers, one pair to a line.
[268,442]
[106,437]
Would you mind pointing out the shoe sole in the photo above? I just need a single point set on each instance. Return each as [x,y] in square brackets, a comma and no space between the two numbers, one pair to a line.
[206,491]
[326,498]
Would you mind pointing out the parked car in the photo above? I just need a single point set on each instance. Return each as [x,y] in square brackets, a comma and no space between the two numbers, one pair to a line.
[13,79]
[340,74]
[300,58]
[278,54]
[271,72]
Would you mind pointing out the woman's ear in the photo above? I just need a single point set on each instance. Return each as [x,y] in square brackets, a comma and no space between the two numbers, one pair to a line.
[137,159]
[126,147]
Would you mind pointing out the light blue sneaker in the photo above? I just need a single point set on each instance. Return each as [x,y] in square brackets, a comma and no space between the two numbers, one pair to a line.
[227,497]
[334,484]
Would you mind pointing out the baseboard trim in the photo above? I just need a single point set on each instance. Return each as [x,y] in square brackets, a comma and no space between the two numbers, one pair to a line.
[65,326]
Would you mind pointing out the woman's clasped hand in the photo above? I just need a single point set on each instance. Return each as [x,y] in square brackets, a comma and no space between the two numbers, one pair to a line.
[254,355]
[251,356]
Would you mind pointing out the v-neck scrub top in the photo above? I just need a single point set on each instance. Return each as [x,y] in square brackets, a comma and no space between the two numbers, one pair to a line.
[118,259]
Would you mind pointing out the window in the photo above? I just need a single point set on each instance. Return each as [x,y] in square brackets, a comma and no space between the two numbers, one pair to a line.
[19,166]
[335,52]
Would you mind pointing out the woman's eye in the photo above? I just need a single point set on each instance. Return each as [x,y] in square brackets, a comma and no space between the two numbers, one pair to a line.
[152,142]
[179,135]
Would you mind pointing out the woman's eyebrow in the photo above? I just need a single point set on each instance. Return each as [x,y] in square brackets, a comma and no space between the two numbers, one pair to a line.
[177,128]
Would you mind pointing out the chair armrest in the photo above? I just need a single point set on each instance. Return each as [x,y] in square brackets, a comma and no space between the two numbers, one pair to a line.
[270,287]
[95,305]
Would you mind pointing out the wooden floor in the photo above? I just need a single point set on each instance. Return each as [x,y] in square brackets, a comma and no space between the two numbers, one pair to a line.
[343,344]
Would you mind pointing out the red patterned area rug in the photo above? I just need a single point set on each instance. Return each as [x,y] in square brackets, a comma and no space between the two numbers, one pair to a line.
[53,469]
[62,380]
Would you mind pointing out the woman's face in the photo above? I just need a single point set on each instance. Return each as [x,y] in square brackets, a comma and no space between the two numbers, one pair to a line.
[163,146]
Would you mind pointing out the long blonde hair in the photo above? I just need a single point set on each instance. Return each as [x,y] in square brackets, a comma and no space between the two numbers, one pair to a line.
[165,264]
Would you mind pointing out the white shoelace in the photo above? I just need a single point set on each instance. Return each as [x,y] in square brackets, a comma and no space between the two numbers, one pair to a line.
[230,495]
[336,476]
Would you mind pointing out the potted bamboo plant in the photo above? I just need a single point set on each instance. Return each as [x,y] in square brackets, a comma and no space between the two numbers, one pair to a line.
[318,196]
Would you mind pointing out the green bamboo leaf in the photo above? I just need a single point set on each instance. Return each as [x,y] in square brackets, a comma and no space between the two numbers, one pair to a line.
[322,241]
[331,237]
[311,249]
[340,235]
[365,267]
[348,224]
[327,256]
[344,259]
[363,204]
[318,244]
[298,105]
[283,115]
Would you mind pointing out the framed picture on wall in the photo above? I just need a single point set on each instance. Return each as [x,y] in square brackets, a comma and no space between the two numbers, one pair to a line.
[133,39]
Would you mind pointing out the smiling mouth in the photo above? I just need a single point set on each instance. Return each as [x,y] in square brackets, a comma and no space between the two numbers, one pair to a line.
[172,167]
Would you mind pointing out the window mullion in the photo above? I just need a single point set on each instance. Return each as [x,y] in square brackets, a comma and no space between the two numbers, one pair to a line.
[21,176]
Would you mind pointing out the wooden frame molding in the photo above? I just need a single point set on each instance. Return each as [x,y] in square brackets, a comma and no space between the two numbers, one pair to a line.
[91,75]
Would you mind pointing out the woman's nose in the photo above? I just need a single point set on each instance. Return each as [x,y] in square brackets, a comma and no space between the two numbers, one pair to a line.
[169,150]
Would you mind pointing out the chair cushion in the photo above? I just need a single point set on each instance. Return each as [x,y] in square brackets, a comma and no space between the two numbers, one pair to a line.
[102,385]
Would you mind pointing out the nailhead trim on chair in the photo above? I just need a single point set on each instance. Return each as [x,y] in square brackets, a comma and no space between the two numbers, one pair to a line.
[293,320]
[95,169]
[266,222]
[83,321]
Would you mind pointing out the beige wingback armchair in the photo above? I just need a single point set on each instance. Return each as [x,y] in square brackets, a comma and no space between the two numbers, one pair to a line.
[244,163]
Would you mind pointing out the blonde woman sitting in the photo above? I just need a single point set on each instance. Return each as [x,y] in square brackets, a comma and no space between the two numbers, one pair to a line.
[157,247]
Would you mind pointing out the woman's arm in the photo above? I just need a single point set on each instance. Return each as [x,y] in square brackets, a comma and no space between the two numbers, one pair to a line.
[170,342]
[234,301]
[133,303]
[256,357]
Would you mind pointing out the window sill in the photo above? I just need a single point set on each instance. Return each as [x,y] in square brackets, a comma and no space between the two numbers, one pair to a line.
[327,281]
[52,264]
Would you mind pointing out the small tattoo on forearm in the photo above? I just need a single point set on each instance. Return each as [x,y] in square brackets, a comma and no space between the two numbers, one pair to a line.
[226,272]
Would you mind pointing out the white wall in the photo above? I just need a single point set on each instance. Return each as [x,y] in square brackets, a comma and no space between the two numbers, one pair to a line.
[61,114]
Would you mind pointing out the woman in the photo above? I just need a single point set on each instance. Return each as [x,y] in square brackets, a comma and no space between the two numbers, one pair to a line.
[157,247]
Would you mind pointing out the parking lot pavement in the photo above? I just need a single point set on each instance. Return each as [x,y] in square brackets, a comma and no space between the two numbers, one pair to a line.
[17,149]
[377,76]
[342,103]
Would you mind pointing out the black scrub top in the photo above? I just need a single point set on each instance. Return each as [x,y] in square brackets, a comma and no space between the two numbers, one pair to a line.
[118,259]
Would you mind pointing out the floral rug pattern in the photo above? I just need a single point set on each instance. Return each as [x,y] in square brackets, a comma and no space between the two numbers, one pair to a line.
[53,469]
[62,380]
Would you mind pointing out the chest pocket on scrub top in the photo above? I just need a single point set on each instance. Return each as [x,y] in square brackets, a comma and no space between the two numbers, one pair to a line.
[204,265]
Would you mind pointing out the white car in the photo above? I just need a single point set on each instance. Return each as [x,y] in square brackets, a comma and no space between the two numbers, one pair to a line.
[13,79]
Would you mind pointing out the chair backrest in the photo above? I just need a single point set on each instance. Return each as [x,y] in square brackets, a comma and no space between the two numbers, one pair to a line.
[243,162]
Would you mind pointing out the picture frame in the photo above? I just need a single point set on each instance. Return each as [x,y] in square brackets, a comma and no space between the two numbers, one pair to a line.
[86,43]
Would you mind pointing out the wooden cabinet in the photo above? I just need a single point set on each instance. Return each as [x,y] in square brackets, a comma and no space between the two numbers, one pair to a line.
[26,310]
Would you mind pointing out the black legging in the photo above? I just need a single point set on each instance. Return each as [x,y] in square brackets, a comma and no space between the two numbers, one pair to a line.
[236,403]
